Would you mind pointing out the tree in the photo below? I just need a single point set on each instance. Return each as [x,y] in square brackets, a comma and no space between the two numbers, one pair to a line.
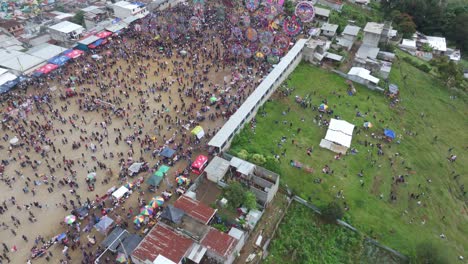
[250,201]
[332,212]
[449,71]
[289,7]
[235,194]
[428,253]
[78,18]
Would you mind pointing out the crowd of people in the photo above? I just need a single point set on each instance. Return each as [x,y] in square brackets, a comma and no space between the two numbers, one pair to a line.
[146,92]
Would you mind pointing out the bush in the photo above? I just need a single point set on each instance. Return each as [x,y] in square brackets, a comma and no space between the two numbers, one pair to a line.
[428,253]
[421,66]
[243,154]
[258,159]
[332,212]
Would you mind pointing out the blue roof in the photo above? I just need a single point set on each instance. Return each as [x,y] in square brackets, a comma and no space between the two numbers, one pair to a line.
[97,42]
[167,152]
[139,4]
[389,133]
[8,85]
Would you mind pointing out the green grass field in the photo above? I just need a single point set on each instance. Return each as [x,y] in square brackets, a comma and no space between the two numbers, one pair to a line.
[400,224]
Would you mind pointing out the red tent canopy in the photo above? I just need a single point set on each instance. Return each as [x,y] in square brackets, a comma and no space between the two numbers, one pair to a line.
[47,68]
[103,34]
[74,54]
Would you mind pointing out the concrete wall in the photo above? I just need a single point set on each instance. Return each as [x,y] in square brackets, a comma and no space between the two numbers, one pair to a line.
[371,39]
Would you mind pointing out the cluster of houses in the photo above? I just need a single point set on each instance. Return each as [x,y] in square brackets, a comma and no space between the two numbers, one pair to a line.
[30,40]
[361,48]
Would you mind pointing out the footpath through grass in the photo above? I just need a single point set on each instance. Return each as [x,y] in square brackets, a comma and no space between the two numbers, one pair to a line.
[427,123]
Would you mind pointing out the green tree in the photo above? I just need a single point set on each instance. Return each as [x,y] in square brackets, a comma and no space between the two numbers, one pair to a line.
[428,253]
[449,72]
[258,159]
[289,7]
[78,18]
[250,201]
[332,212]
[235,194]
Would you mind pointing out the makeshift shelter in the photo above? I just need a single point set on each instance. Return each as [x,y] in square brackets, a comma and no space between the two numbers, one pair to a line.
[81,212]
[172,214]
[84,43]
[7,80]
[154,180]
[104,225]
[112,241]
[389,134]
[96,44]
[338,137]
[129,243]
[59,60]
[393,89]
[167,152]
[198,131]
[46,69]
[103,34]
[73,54]
[119,193]
[135,167]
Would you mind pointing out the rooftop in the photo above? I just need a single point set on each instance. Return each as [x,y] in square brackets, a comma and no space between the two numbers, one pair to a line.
[219,242]
[322,11]
[66,27]
[195,209]
[9,23]
[438,43]
[373,27]
[351,30]
[162,240]
[329,27]
[126,5]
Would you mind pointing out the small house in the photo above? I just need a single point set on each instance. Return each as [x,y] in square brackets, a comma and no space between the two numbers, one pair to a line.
[321,15]
[124,9]
[348,36]
[329,30]
[13,27]
[66,31]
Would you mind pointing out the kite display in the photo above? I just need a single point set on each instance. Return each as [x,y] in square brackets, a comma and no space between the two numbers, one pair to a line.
[277,52]
[266,37]
[253,47]
[195,23]
[251,34]
[265,50]
[273,59]
[252,5]
[271,11]
[245,21]
[236,49]
[237,32]
[247,53]
[292,26]
[282,42]
[276,2]
[233,18]
[305,11]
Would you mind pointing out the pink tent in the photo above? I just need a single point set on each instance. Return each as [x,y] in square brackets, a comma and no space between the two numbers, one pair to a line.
[103,34]
[74,54]
[47,68]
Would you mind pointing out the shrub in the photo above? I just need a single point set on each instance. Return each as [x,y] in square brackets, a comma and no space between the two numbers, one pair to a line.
[332,212]
[243,154]
[258,159]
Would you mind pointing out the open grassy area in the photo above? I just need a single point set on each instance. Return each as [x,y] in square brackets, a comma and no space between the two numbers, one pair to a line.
[427,123]
[303,237]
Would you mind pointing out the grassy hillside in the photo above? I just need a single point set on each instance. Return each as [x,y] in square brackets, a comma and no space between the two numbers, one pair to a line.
[427,122]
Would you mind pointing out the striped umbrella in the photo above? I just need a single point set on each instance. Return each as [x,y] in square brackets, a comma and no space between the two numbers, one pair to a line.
[139,219]
[121,258]
[181,179]
[146,210]
[157,201]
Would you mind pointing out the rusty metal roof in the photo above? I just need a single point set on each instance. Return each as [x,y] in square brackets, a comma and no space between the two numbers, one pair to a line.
[219,242]
[162,240]
[195,209]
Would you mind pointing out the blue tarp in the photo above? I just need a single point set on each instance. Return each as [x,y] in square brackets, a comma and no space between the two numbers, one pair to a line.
[59,60]
[97,42]
[8,85]
[67,51]
[389,133]
[167,152]
[139,4]
[104,224]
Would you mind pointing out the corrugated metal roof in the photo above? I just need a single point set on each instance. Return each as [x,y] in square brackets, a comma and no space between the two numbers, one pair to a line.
[219,242]
[195,209]
[162,240]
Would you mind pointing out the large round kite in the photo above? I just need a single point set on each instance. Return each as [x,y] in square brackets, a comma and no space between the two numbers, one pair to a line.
[305,11]
[237,32]
[265,50]
[271,11]
[195,23]
[282,42]
[276,51]
[266,37]
[292,26]
[252,5]
[251,34]
[253,47]
[236,49]
[245,21]
[247,53]
[233,18]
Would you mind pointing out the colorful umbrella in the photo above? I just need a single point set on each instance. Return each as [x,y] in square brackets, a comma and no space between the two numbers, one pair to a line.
[368,124]
[158,200]
[91,176]
[69,219]
[323,107]
[139,219]
[146,210]
[213,99]
[129,185]
[181,179]
[121,258]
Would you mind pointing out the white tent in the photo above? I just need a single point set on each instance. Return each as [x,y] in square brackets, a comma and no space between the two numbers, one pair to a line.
[135,167]
[7,77]
[338,137]
[120,192]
